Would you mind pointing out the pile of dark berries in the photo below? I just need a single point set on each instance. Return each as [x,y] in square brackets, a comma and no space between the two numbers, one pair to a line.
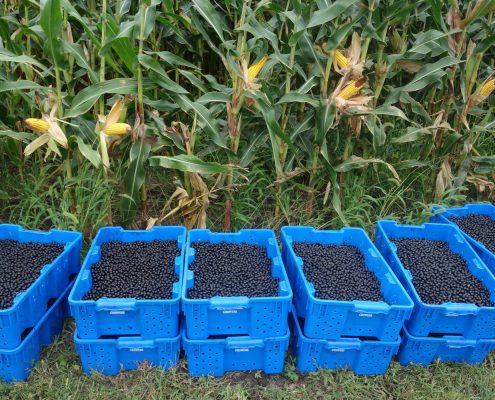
[440,275]
[20,266]
[231,269]
[137,270]
[480,227]
[338,272]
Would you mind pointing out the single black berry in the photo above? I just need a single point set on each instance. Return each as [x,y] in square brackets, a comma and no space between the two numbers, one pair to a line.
[138,270]
[231,269]
[480,227]
[338,272]
[20,266]
[440,275]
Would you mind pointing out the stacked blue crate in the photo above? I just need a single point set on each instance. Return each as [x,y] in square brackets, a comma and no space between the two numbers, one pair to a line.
[359,335]
[449,331]
[37,314]
[119,334]
[236,333]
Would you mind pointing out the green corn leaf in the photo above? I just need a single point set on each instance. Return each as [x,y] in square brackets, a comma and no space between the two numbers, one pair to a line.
[80,58]
[249,152]
[377,129]
[188,163]
[209,124]
[133,181]
[87,97]
[336,9]
[119,41]
[430,73]
[214,19]
[161,77]
[7,56]
[51,23]
[149,22]
[172,59]
[25,137]
[214,97]
[357,163]
[411,135]
[89,153]
[6,86]
[294,97]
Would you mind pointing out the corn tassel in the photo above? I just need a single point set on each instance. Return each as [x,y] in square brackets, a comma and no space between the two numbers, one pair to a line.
[36,124]
[255,69]
[341,60]
[352,89]
[487,88]
[117,128]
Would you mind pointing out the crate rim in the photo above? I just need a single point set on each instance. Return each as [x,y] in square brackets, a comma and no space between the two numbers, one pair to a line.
[354,303]
[450,307]
[229,300]
[128,301]
[76,239]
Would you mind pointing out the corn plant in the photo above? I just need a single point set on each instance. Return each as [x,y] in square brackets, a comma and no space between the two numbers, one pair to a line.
[341,94]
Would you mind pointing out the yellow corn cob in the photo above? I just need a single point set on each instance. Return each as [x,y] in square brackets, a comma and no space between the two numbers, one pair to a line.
[36,124]
[117,128]
[341,60]
[488,87]
[352,89]
[255,69]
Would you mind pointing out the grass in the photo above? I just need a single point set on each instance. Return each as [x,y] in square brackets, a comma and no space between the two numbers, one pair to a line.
[59,376]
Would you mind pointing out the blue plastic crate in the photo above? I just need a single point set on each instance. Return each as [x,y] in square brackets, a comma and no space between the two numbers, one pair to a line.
[30,306]
[443,217]
[110,356]
[468,320]
[425,350]
[257,316]
[16,364]
[363,357]
[331,319]
[214,357]
[108,316]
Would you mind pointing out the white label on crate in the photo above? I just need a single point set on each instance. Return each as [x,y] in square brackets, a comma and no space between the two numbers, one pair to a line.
[136,350]
[241,350]
[338,350]
[451,315]
[229,312]
[117,312]
[365,315]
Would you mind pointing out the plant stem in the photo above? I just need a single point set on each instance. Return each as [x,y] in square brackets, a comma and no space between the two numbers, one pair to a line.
[102,57]
[117,11]
[366,43]
[233,110]
[140,101]
[282,146]
[58,85]
[380,63]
